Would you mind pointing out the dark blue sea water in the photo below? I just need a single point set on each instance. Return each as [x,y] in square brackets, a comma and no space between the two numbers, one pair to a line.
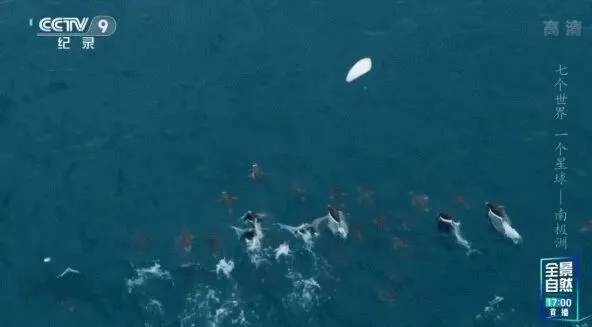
[137,138]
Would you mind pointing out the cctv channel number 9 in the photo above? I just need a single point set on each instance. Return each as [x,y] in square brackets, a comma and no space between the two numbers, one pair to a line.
[102,26]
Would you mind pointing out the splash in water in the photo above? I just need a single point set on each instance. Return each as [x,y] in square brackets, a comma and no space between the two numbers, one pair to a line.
[282,250]
[225,266]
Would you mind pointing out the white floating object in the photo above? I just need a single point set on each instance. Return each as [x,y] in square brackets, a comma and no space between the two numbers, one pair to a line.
[225,266]
[503,225]
[68,271]
[460,240]
[281,250]
[47,260]
[496,300]
[360,68]
[339,228]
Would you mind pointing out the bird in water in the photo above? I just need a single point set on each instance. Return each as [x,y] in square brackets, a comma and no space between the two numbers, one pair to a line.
[298,191]
[448,226]
[252,218]
[336,222]
[257,173]
[500,220]
[253,234]
[420,201]
[227,200]
[445,223]
[365,196]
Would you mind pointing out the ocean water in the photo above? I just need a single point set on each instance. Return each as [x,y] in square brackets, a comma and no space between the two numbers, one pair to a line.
[108,156]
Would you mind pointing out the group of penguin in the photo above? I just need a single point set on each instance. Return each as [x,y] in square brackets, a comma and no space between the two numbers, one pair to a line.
[307,231]
[336,222]
[498,219]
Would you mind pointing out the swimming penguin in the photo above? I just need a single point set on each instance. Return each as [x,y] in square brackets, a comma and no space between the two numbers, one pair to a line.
[336,222]
[500,220]
[227,200]
[251,218]
[256,173]
[333,214]
[445,223]
[497,217]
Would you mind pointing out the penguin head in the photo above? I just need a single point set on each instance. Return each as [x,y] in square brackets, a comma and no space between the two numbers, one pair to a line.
[495,209]
[446,216]
[333,213]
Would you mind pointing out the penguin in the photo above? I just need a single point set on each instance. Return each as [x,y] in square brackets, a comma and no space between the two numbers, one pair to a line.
[445,223]
[336,222]
[256,173]
[498,218]
[251,218]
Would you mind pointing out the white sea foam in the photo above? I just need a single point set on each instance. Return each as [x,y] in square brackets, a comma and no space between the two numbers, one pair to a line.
[155,314]
[218,302]
[492,311]
[254,246]
[154,306]
[213,308]
[306,236]
[146,284]
[460,240]
[225,266]
[282,250]
[144,274]
[255,249]
[68,271]
[306,292]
